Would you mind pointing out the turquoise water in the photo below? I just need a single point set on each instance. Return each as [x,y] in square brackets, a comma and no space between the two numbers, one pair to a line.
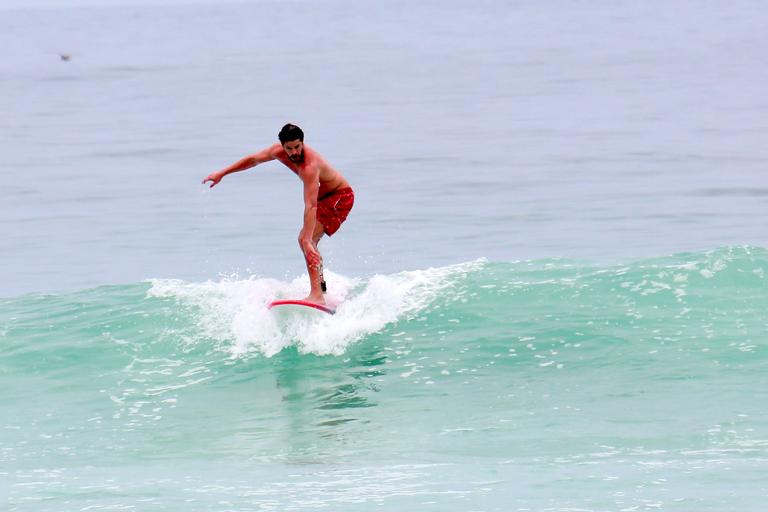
[552,286]
[529,385]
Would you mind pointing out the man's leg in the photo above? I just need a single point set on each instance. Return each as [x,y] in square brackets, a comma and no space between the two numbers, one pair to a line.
[316,282]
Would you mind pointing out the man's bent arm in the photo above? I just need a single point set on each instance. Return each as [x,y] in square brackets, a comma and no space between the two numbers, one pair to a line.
[311,188]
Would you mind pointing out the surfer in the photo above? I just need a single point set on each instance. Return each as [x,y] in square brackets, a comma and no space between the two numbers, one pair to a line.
[328,198]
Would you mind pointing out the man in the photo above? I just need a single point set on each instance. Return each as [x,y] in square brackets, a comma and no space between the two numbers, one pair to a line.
[328,198]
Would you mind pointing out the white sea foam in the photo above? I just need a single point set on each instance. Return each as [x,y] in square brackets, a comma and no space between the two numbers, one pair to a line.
[235,310]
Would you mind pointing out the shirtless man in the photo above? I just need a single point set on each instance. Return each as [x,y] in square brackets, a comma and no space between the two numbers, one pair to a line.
[328,198]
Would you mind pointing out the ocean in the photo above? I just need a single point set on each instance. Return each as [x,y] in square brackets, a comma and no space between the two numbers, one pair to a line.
[552,285]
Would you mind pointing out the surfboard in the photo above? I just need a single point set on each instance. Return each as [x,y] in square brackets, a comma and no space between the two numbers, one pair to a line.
[301,303]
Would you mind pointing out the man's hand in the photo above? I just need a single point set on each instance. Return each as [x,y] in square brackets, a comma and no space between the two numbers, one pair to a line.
[310,252]
[214,178]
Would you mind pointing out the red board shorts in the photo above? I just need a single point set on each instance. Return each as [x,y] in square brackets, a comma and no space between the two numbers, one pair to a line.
[333,208]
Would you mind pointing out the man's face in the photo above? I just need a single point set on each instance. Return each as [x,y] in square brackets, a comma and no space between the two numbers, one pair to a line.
[295,150]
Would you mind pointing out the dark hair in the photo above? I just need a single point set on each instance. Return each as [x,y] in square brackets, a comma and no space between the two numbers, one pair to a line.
[290,132]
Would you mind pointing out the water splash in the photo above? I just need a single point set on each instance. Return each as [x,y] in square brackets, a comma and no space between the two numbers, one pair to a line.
[235,311]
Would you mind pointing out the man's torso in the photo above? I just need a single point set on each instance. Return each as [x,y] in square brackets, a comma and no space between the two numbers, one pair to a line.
[330,179]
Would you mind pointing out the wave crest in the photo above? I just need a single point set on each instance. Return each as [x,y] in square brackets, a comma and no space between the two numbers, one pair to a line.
[235,311]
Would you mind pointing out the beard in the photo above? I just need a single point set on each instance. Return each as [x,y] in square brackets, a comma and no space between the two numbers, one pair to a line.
[297,159]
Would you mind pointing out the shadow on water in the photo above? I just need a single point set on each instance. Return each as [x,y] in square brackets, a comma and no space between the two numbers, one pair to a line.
[326,401]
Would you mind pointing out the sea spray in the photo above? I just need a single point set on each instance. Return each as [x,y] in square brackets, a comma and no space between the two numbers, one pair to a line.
[235,310]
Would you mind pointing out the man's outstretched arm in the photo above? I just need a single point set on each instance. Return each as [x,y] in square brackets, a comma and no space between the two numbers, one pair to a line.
[265,155]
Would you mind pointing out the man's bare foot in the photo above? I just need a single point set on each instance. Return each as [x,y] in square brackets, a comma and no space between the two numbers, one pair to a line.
[315,299]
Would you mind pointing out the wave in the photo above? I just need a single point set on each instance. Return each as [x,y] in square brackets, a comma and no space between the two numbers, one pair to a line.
[236,310]
[719,294]
[483,351]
